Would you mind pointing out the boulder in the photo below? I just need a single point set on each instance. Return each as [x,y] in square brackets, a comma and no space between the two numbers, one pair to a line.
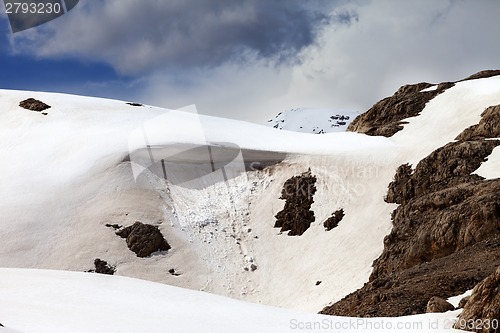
[438,305]
[143,239]
[482,312]
[333,221]
[34,105]
[296,217]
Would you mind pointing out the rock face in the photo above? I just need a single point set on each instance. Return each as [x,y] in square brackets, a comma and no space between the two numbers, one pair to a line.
[143,239]
[488,127]
[385,117]
[333,221]
[446,230]
[438,305]
[443,208]
[482,311]
[34,105]
[296,217]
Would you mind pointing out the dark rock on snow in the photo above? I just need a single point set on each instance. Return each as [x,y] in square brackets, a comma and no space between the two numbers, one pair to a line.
[296,217]
[385,117]
[102,267]
[34,105]
[446,229]
[333,221]
[143,239]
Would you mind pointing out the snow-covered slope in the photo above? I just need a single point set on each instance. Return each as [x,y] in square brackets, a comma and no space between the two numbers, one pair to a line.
[33,301]
[91,162]
[313,121]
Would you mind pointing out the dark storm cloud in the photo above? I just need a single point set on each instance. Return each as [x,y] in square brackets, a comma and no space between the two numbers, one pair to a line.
[136,35]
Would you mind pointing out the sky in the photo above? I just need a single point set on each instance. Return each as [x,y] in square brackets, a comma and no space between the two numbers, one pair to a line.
[250,59]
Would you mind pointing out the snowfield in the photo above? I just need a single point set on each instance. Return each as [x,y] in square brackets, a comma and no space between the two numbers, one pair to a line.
[91,162]
[312,121]
[37,301]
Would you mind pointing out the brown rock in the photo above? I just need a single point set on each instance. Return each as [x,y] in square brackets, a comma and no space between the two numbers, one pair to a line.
[488,127]
[463,301]
[385,117]
[333,221]
[446,231]
[438,305]
[443,207]
[34,105]
[102,267]
[482,311]
[296,217]
[144,239]
[483,74]
[407,292]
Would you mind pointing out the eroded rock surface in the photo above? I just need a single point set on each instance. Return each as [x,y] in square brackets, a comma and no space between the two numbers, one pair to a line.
[34,105]
[334,220]
[446,230]
[438,305]
[482,310]
[296,217]
[385,118]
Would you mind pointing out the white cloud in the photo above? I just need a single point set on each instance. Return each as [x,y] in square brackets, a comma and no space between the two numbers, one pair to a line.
[355,61]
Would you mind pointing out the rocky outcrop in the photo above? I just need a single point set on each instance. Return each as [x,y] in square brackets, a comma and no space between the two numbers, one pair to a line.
[482,311]
[443,207]
[143,239]
[34,105]
[446,220]
[488,127]
[483,74]
[296,217]
[463,301]
[408,291]
[385,118]
[102,267]
[334,220]
[438,305]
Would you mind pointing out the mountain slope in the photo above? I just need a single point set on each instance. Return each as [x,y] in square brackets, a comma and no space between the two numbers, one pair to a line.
[313,121]
[447,225]
[212,186]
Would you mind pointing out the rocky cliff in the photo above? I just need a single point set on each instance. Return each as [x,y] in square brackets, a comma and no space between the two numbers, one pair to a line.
[445,237]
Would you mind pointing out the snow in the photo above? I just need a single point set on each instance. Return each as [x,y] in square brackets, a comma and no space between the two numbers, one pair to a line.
[446,116]
[313,121]
[490,169]
[455,300]
[42,301]
[432,88]
[92,162]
